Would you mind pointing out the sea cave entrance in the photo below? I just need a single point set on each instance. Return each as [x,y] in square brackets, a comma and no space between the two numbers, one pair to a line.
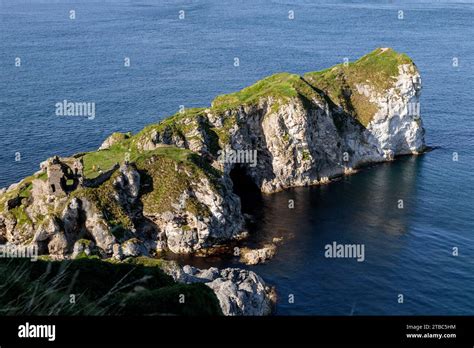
[246,189]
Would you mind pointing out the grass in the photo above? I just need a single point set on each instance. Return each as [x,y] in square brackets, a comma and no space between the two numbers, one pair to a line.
[169,172]
[280,87]
[378,69]
[177,125]
[361,108]
[23,188]
[25,191]
[145,261]
[166,173]
[103,160]
[100,288]
[21,216]
[223,133]
[125,150]
[104,199]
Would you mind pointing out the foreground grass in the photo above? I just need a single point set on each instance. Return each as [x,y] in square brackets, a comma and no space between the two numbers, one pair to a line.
[98,288]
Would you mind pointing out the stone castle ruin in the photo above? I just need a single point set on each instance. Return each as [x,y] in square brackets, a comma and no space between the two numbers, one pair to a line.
[64,175]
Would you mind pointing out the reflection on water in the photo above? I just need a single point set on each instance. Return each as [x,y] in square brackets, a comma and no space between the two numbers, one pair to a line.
[390,191]
[355,209]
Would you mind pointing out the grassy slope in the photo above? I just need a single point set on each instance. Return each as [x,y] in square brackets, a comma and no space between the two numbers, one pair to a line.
[166,173]
[280,87]
[377,69]
[138,288]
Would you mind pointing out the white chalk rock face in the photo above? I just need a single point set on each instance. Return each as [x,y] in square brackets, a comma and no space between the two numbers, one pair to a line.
[305,142]
[396,127]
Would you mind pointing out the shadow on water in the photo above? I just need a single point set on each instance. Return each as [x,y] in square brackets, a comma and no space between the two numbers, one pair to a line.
[357,207]
[373,207]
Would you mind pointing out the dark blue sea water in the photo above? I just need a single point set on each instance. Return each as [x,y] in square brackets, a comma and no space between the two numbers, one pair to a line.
[188,62]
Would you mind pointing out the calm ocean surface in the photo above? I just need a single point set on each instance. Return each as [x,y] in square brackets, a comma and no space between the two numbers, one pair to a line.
[188,62]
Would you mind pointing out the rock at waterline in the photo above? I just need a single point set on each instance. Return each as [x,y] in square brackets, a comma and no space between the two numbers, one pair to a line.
[256,256]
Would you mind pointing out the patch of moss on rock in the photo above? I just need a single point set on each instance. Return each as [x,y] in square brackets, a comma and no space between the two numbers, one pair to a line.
[169,172]
[103,197]
[22,189]
[84,255]
[224,132]
[180,124]
[24,223]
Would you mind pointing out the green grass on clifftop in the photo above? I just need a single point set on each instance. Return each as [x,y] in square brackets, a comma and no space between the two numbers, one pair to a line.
[377,69]
[166,177]
[165,172]
[280,87]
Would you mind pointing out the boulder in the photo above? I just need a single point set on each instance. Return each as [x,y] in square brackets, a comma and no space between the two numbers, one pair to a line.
[240,292]
[83,247]
[134,247]
[256,256]
[113,139]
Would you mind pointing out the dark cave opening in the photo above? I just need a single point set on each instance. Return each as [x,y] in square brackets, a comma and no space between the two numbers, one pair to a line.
[246,189]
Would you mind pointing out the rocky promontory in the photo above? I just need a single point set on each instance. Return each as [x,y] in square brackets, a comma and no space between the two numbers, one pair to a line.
[240,292]
[169,187]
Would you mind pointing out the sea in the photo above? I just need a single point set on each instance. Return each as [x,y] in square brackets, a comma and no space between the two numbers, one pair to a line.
[140,61]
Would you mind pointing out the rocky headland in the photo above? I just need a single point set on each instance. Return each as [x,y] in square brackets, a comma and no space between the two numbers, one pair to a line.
[167,188]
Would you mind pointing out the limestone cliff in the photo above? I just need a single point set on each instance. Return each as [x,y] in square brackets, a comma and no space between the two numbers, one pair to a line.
[166,187]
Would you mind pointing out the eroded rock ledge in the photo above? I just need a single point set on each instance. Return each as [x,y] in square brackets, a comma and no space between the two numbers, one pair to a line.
[164,189]
[239,291]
